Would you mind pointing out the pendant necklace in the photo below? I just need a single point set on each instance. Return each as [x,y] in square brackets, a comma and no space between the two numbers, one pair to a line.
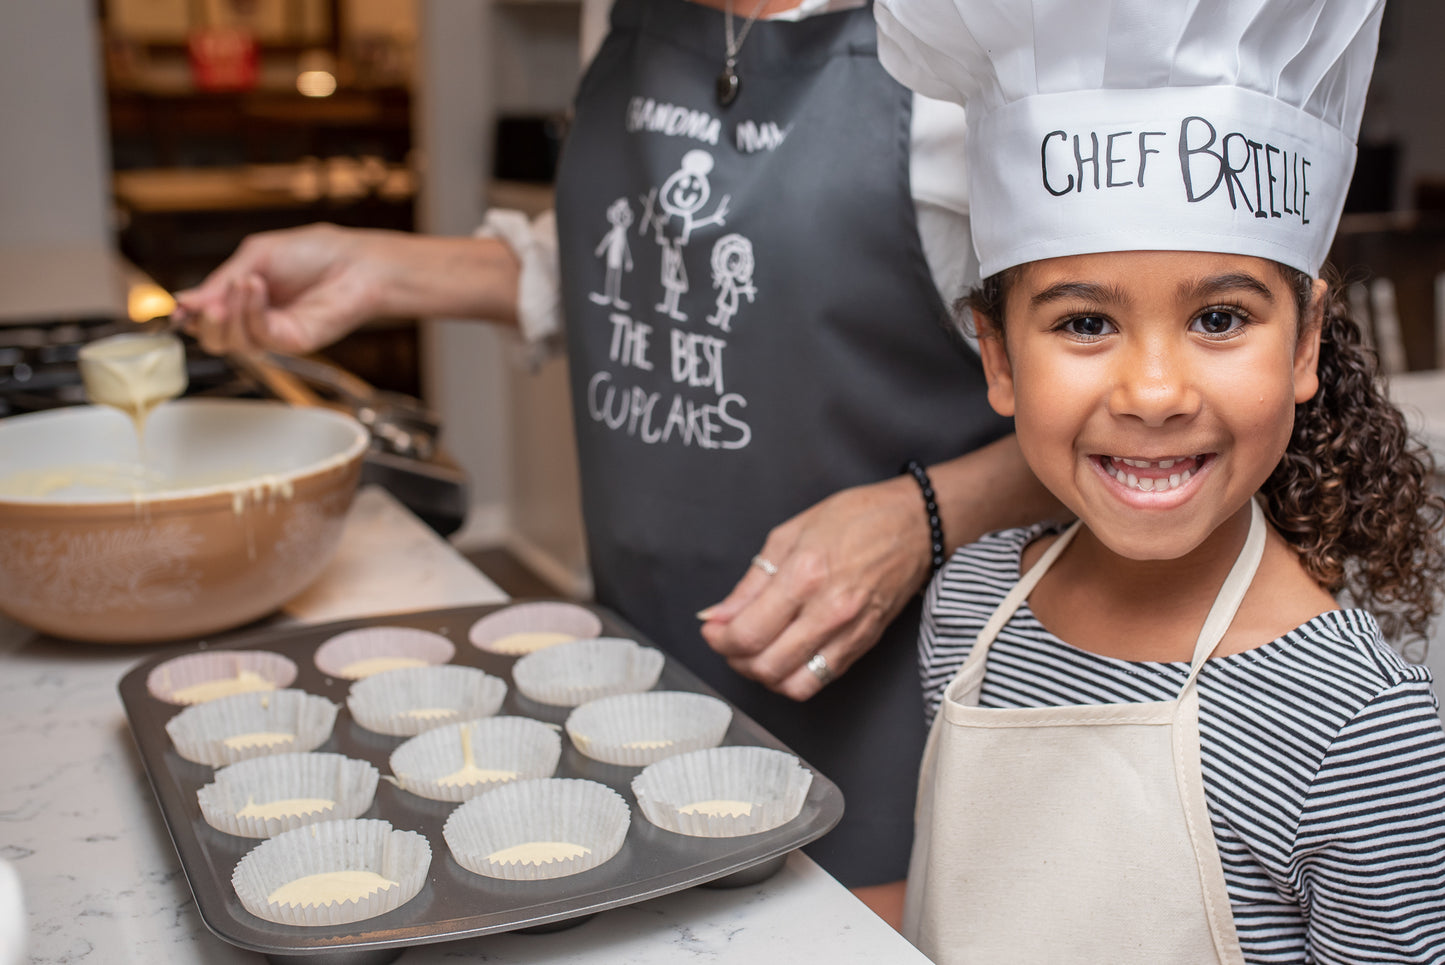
[727,81]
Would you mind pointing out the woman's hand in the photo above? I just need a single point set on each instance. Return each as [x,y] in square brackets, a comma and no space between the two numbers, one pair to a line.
[299,289]
[845,568]
[292,291]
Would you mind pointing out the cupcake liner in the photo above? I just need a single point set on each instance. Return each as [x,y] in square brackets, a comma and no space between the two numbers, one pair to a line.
[527,627]
[531,830]
[360,653]
[231,729]
[402,858]
[638,729]
[199,677]
[504,749]
[574,673]
[403,703]
[341,787]
[691,793]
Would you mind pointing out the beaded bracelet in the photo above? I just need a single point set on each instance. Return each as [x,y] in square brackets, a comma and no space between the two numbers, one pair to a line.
[930,503]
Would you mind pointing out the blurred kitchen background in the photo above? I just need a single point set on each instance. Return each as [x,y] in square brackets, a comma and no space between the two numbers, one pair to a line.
[152,135]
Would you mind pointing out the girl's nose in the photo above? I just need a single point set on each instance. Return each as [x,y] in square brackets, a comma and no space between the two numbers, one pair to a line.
[1154,384]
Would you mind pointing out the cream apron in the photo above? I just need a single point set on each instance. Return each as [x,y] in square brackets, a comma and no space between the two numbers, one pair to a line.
[1071,834]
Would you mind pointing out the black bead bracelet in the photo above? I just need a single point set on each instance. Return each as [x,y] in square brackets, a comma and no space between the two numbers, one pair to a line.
[930,503]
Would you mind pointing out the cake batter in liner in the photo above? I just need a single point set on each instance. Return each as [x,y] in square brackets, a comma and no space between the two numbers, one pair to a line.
[404,703]
[772,783]
[243,670]
[638,729]
[360,653]
[574,673]
[211,733]
[401,857]
[505,749]
[348,784]
[546,813]
[506,631]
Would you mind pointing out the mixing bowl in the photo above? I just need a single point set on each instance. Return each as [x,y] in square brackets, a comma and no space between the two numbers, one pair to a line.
[220,512]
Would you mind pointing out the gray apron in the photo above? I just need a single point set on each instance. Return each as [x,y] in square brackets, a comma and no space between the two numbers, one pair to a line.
[751,327]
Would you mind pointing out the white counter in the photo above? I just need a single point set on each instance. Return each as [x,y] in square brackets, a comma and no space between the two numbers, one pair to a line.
[102,881]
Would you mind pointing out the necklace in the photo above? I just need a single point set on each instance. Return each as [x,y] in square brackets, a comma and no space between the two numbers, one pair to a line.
[727,82]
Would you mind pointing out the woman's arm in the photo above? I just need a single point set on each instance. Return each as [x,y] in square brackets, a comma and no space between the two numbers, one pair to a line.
[298,289]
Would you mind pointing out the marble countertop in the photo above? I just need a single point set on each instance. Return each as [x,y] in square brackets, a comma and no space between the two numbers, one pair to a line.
[102,883]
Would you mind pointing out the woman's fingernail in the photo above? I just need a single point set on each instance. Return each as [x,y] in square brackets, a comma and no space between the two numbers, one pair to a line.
[706,614]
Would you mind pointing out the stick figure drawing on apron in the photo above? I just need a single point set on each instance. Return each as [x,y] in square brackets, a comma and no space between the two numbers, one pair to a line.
[613,250]
[683,195]
[732,276]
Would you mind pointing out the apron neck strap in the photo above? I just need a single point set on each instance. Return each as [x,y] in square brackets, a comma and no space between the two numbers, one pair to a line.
[1231,594]
[1023,588]
[1221,614]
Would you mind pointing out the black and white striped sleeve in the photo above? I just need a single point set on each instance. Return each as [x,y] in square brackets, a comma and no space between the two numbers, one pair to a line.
[1369,853]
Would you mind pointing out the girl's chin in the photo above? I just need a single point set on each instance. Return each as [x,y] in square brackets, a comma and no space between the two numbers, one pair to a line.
[1161,547]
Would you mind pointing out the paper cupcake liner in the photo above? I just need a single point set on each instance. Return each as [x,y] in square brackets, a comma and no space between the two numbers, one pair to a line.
[212,733]
[198,677]
[504,749]
[772,782]
[403,858]
[638,729]
[538,829]
[347,785]
[404,703]
[527,627]
[574,673]
[360,653]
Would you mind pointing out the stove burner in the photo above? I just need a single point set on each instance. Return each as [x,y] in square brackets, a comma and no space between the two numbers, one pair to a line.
[38,364]
[38,371]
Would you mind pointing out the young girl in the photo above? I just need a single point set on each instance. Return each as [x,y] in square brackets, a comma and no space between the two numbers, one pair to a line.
[1158,737]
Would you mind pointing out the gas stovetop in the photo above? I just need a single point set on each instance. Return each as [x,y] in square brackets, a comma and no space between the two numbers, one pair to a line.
[38,368]
[38,371]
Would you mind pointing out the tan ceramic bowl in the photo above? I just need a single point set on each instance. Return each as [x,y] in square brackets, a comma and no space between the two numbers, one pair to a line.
[237,506]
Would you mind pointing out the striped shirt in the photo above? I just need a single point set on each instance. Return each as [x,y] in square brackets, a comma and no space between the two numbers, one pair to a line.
[1322,751]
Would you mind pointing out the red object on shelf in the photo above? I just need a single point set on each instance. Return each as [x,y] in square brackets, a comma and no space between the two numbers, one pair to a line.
[223,58]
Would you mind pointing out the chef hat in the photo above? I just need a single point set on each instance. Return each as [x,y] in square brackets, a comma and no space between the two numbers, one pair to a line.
[1113,125]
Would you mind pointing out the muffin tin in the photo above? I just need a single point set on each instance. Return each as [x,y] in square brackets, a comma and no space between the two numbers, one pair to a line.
[454,903]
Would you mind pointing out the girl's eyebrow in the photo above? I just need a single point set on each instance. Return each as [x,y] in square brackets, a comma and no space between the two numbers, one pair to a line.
[1235,281]
[1083,291]
[1202,288]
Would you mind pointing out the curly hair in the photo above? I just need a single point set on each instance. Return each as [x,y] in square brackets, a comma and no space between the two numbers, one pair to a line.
[1353,492]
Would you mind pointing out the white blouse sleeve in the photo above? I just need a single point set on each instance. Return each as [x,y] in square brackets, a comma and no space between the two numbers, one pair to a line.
[539,290]
[534,241]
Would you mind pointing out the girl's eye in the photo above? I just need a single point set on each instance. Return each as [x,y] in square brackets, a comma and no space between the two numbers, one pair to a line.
[1217,321]
[1088,326]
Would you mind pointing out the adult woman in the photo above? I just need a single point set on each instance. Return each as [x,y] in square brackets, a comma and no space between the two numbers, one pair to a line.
[757,345]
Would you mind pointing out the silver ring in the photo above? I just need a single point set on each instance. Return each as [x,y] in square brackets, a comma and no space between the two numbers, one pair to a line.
[766,565]
[818,664]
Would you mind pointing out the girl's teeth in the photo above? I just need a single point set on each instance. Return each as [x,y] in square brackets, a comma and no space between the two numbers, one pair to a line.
[1148,484]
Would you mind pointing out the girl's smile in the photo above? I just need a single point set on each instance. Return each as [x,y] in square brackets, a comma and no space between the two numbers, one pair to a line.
[1153,392]
[1153,475]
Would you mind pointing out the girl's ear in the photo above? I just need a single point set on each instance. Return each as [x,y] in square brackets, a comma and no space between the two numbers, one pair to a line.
[996,367]
[1307,346]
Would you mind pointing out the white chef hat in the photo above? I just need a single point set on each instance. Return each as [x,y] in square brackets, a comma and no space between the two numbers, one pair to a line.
[1114,125]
